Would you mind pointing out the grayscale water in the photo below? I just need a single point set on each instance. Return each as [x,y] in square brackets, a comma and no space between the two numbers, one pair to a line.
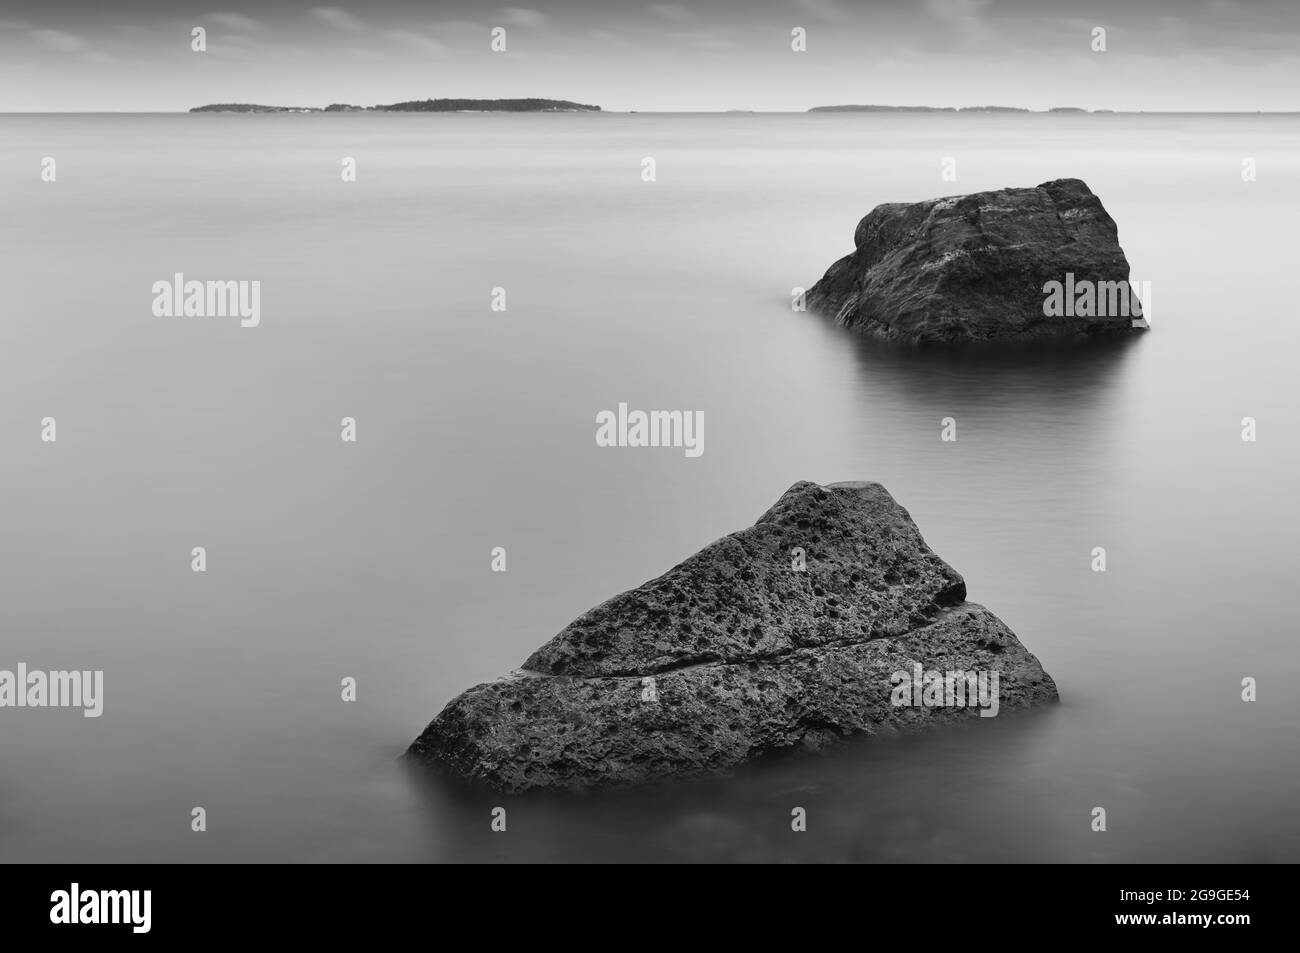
[476,429]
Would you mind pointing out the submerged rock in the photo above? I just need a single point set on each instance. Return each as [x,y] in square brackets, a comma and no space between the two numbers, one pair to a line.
[978,267]
[737,651]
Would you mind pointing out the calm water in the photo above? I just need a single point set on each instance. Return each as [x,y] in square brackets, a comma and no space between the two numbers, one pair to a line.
[475,430]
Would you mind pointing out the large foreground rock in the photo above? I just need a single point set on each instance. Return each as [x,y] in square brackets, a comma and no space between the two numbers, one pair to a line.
[974,267]
[735,652]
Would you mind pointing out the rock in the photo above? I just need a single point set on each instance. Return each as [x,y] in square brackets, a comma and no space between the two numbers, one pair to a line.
[975,267]
[734,652]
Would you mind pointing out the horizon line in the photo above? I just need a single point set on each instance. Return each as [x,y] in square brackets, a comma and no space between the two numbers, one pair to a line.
[1006,110]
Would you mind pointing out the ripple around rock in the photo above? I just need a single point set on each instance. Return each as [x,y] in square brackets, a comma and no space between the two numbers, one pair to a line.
[734,652]
[974,267]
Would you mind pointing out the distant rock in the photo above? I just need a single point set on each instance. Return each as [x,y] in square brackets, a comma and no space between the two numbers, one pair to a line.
[735,652]
[980,267]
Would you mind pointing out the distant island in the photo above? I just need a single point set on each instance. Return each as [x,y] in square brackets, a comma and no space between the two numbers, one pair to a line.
[918,109]
[253,108]
[952,109]
[415,106]
[490,105]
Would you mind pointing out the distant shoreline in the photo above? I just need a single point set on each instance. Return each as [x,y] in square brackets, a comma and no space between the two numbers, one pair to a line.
[414,105]
[534,105]
[315,110]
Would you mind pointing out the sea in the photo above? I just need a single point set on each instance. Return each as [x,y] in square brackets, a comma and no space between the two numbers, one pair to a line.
[484,288]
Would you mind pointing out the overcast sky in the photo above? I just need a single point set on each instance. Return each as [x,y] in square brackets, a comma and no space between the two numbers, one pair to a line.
[712,55]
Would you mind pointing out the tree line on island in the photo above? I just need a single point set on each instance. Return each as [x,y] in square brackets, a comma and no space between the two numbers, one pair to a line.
[414,106]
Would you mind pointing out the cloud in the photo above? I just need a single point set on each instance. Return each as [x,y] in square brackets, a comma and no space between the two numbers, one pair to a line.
[673,12]
[699,40]
[1224,8]
[422,44]
[965,17]
[947,9]
[609,39]
[58,41]
[338,18]
[824,10]
[519,16]
[234,22]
